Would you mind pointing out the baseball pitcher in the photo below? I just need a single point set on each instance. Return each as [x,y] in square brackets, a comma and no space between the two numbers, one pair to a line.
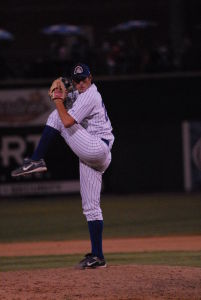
[81,119]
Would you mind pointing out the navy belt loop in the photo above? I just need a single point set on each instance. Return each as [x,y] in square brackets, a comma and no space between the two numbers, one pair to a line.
[105,141]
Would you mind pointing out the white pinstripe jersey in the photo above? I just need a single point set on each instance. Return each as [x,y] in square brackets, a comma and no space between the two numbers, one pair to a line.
[88,110]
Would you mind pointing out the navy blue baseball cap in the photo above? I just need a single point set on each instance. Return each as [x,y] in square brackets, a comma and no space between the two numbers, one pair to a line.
[80,71]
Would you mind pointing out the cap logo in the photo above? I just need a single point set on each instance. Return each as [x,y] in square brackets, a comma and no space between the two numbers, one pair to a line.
[78,70]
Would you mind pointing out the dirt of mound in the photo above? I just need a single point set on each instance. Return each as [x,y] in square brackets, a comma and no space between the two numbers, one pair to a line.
[112,283]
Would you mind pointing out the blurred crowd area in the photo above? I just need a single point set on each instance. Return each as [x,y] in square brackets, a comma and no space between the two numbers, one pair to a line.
[121,54]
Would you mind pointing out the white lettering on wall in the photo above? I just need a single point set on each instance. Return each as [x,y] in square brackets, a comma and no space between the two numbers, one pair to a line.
[14,147]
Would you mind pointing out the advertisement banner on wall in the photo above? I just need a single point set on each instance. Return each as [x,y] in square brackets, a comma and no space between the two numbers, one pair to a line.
[23,114]
[192,155]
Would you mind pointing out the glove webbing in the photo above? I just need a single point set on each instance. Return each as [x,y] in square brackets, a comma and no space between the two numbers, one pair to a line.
[57,94]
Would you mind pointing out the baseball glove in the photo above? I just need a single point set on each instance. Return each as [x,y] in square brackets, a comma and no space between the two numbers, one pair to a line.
[60,88]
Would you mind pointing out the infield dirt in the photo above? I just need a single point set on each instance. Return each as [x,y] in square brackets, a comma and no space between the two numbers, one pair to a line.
[120,282]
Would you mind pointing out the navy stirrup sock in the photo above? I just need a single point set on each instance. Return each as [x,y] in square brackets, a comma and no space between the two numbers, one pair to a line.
[96,230]
[48,135]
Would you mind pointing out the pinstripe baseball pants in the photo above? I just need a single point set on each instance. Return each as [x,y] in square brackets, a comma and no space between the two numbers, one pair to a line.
[94,158]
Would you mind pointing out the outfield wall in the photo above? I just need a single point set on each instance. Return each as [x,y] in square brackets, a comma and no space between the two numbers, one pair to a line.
[147,114]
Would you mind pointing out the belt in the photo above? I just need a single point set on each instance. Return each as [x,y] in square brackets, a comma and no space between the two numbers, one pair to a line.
[105,141]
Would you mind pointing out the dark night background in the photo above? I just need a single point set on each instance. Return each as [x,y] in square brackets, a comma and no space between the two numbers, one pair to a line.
[177,31]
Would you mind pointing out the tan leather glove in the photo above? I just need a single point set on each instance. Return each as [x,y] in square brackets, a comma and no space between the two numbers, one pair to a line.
[58,90]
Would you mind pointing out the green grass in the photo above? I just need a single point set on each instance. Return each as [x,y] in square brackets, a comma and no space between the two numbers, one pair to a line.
[61,218]
[172,258]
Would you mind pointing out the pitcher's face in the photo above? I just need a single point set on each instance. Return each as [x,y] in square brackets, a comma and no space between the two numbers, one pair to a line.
[83,84]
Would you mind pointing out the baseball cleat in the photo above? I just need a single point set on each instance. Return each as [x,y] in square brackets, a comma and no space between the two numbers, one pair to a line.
[91,262]
[30,166]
